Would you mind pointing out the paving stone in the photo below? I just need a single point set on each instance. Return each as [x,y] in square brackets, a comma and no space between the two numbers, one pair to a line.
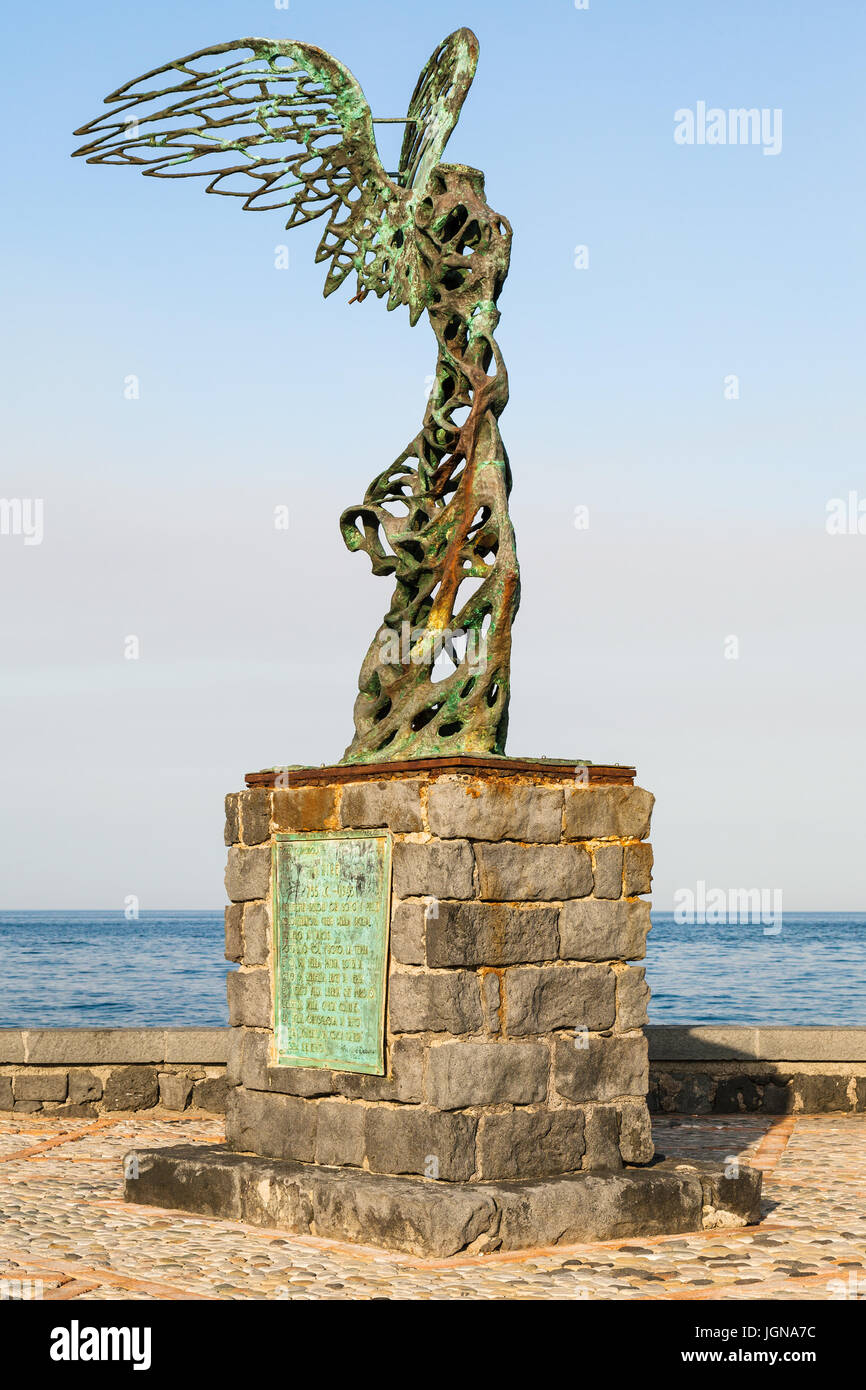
[632,997]
[461,808]
[405,1059]
[40,1085]
[232,832]
[248,873]
[340,1133]
[83,1087]
[434,869]
[437,1002]
[175,1090]
[249,998]
[463,1074]
[598,813]
[407,1139]
[408,928]
[607,1068]
[607,871]
[255,816]
[526,873]
[540,999]
[234,937]
[305,808]
[637,870]
[211,1093]
[814,1092]
[491,1001]
[271,1125]
[491,934]
[602,1138]
[635,1132]
[590,930]
[530,1143]
[257,933]
[395,803]
[131,1088]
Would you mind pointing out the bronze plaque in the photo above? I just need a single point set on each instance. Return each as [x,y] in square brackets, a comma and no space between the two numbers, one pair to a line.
[332,898]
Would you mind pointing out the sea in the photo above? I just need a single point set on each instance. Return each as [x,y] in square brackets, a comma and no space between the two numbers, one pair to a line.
[95,969]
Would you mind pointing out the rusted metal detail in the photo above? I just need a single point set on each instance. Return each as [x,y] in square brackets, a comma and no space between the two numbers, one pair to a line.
[540,770]
[436,678]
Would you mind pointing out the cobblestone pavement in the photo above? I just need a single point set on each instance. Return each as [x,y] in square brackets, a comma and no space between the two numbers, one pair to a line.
[67,1235]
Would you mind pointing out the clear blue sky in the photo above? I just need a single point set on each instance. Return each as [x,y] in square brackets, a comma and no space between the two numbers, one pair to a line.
[706,515]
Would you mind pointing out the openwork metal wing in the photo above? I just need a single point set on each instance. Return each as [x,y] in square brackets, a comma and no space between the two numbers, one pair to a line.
[435,106]
[277,124]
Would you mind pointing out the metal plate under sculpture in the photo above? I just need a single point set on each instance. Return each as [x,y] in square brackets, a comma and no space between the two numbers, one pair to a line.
[435,680]
[331,912]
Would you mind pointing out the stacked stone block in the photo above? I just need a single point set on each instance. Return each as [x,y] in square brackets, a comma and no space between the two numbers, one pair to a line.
[514,1044]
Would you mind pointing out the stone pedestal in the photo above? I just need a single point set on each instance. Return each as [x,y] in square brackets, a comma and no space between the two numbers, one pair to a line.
[516,1066]
[514,1044]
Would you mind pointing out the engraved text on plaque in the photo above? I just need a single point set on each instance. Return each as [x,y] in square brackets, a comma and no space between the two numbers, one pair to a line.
[331,912]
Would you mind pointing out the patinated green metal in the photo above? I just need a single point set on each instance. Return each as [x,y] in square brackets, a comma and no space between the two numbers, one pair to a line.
[330,912]
[436,678]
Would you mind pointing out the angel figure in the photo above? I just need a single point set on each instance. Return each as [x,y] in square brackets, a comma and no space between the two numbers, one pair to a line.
[284,125]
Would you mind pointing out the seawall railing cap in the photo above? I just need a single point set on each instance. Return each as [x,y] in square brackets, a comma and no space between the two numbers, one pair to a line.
[668,1042]
[71,1047]
[208,1046]
[11,1046]
[78,1046]
[673,1042]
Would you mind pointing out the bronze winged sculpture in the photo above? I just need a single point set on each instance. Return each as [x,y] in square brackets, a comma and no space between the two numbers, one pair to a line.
[437,518]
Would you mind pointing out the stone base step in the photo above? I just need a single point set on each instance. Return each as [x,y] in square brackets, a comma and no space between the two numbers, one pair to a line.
[441,1219]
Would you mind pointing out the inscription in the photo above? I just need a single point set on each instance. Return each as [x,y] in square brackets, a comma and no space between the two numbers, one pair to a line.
[331,911]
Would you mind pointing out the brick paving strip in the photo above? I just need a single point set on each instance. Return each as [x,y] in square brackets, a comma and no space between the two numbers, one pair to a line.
[67,1137]
[65,1285]
[774,1144]
[814,1167]
[778,1288]
[96,1278]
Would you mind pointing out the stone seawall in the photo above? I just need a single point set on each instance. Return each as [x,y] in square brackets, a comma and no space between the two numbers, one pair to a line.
[693,1070]
[85,1072]
[698,1070]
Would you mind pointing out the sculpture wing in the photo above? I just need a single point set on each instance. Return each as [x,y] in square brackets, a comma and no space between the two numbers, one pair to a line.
[435,106]
[278,124]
